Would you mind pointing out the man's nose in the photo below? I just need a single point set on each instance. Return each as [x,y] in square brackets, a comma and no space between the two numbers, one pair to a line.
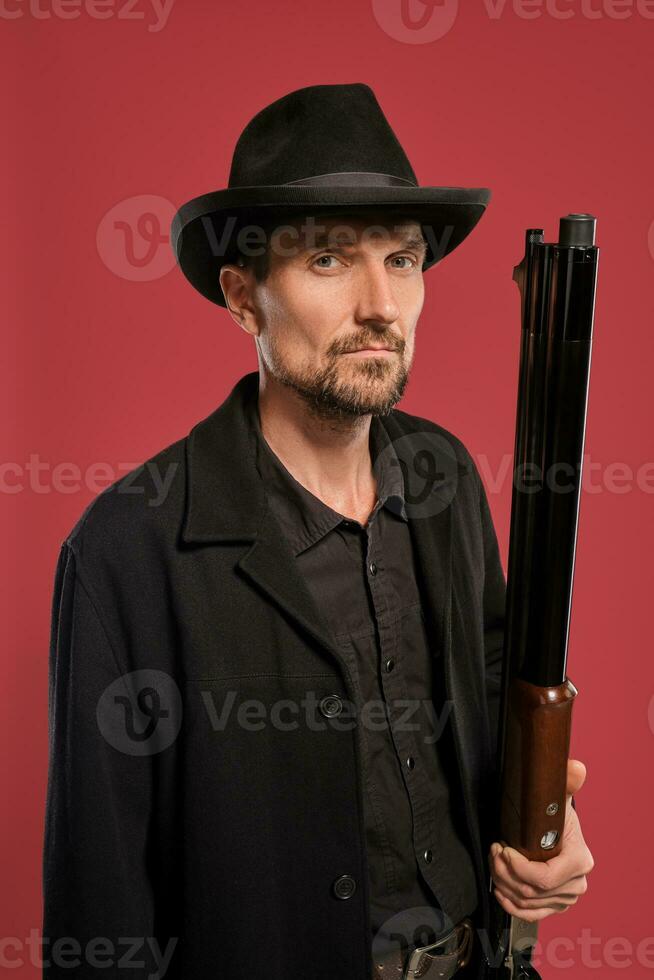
[376,302]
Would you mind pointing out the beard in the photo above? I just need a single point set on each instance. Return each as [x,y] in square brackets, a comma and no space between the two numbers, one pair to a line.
[335,393]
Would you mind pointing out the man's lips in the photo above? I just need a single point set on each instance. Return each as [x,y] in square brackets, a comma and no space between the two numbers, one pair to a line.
[383,351]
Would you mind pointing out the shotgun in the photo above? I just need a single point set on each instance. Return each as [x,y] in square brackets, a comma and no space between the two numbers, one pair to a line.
[557,283]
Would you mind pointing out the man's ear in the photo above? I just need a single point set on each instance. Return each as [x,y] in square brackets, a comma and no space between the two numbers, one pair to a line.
[235,284]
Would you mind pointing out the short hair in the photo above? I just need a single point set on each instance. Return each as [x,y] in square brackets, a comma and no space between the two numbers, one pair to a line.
[258,260]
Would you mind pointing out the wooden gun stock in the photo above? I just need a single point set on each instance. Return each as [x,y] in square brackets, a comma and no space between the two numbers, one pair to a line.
[533,792]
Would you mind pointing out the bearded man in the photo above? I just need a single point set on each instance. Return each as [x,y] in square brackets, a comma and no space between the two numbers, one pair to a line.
[276,645]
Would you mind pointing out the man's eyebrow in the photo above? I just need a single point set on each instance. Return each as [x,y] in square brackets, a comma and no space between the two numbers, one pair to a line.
[415,241]
[325,240]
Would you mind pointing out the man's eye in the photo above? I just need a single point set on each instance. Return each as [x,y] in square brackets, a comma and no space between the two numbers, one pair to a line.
[407,258]
[320,257]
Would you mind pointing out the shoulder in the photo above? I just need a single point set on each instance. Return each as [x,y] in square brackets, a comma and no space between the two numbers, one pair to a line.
[136,513]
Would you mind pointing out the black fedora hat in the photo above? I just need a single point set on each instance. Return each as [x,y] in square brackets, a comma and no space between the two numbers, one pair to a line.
[320,149]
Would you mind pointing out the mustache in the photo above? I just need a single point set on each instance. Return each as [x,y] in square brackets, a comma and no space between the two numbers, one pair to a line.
[391,341]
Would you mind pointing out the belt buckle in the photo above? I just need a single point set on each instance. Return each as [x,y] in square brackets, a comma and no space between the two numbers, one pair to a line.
[418,966]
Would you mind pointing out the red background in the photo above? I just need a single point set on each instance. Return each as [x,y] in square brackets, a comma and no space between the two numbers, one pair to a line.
[553,114]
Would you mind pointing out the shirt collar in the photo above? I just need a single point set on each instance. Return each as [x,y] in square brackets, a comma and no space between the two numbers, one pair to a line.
[304,517]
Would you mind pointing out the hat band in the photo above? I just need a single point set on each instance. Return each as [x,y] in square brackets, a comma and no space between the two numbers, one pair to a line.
[354,177]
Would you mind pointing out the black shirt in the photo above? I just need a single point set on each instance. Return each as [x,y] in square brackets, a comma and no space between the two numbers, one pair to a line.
[363,578]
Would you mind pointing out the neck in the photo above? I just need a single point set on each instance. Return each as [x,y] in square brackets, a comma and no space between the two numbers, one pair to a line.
[330,459]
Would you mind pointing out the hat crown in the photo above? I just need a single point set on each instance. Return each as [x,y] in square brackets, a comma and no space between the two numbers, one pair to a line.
[320,129]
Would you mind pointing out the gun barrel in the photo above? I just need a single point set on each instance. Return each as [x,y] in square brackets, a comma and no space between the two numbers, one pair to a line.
[577,229]
[557,284]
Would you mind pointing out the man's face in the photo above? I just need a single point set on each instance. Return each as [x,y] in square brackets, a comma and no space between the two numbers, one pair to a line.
[337,313]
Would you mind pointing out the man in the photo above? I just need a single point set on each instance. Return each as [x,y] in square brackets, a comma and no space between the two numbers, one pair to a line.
[276,645]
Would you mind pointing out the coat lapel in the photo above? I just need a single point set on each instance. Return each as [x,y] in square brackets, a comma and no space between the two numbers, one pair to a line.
[271,566]
[432,545]
[226,502]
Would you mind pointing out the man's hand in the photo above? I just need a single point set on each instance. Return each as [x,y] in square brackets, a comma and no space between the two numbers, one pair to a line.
[532,890]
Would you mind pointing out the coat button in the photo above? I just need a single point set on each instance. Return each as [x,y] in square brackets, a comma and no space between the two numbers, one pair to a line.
[372,568]
[345,886]
[331,706]
[389,665]
[410,762]
[428,856]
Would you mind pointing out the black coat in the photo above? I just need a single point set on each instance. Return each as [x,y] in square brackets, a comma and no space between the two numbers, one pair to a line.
[229,835]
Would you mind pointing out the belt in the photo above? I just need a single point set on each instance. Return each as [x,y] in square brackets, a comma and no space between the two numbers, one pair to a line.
[441,959]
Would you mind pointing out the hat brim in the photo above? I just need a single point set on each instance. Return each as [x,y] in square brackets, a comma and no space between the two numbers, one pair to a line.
[204,230]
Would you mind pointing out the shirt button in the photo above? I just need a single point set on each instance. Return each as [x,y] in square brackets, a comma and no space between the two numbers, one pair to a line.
[344,887]
[428,856]
[331,706]
[389,665]
[410,762]
[372,568]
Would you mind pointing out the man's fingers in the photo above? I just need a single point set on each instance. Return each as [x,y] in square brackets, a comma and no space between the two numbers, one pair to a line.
[576,777]
[537,903]
[545,876]
[527,915]
[518,890]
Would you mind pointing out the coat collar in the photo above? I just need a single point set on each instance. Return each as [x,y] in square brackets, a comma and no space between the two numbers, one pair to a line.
[225,499]
[226,502]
